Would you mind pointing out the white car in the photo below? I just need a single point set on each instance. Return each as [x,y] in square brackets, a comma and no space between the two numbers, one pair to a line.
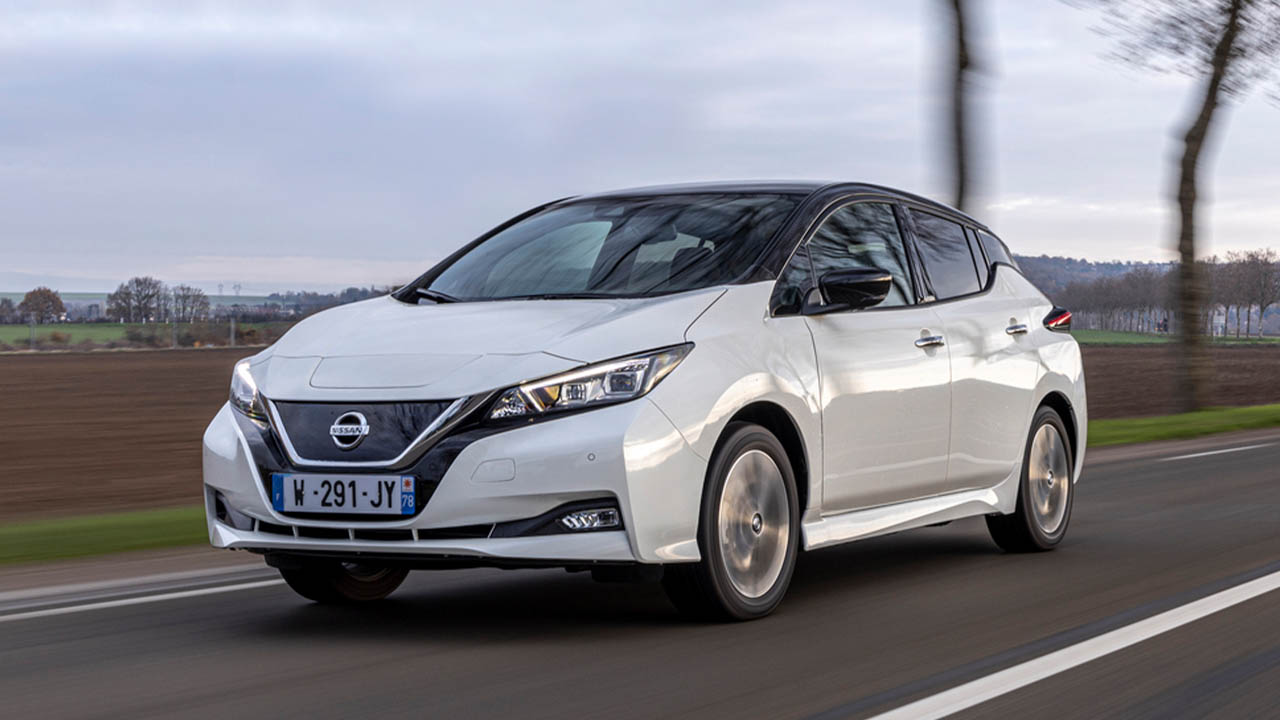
[691,383]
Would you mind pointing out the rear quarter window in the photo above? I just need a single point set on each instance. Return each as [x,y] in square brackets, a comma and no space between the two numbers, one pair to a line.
[996,249]
[944,250]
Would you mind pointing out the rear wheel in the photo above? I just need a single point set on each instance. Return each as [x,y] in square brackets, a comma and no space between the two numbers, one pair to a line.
[748,532]
[343,583]
[1045,494]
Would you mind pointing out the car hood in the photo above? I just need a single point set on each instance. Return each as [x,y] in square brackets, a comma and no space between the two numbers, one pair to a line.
[385,349]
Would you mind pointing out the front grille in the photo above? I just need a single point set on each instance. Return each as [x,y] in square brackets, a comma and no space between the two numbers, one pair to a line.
[266,450]
[384,535]
[462,532]
[322,533]
[392,428]
[274,529]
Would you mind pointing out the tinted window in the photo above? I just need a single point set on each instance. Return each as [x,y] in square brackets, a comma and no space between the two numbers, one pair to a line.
[620,247]
[945,253]
[996,251]
[575,248]
[794,283]
[978,262]
[863,235]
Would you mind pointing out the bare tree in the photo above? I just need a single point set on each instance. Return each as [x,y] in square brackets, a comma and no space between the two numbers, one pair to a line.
[120,304]
[141,299]
[963,68]
[1233,290]
[189,303]
[1231,46]
[1260,284]
[8,313]
[42,305]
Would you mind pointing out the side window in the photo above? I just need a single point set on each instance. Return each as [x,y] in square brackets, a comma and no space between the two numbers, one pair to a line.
[945,253]
[996,250]
[794,283]
[979,262]
[864,235]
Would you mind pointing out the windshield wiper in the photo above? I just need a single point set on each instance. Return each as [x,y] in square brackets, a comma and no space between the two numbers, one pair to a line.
[560,296]
[435,295]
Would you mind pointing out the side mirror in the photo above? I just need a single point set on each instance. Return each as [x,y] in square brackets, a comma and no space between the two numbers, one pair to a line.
[853,289]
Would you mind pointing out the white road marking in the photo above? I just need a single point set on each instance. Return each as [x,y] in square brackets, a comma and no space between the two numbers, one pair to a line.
[1216,452]
[143,600]
[1006,681]
[140,580]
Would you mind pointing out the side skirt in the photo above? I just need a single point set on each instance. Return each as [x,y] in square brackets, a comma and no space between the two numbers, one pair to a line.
[885,519]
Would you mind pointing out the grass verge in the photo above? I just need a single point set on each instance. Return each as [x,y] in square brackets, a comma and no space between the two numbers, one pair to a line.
[1117,337]
[82,535]
[1122,431]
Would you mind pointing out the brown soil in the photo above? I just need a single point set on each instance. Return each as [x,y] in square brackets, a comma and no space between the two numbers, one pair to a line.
[92,432]
[1134,380]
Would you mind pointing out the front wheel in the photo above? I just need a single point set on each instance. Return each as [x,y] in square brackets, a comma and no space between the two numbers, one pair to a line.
[748,532]
[343,583]
[1045,493]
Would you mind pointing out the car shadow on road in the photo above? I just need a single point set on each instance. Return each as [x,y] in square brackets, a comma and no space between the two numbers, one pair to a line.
[467,606]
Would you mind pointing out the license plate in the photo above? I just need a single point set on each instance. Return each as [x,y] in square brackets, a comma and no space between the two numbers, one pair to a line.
[366,494]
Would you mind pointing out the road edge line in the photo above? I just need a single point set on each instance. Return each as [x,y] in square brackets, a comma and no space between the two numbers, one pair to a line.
[143,600]
[975,692]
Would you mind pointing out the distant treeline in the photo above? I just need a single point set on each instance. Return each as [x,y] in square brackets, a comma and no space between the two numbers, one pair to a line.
[1240,289]
[1052,274]
[150,300]
[306,302]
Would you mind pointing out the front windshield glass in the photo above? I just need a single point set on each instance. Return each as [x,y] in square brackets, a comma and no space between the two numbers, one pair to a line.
[619,247]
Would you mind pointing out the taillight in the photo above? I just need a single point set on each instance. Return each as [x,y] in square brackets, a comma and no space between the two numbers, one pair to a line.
[1058,320]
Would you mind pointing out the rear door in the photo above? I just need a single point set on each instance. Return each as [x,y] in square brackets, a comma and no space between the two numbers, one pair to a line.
[992,363]
[885,394]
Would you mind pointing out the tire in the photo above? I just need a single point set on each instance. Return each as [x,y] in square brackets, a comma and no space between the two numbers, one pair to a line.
[1046,492]
[334,583]
[748,531]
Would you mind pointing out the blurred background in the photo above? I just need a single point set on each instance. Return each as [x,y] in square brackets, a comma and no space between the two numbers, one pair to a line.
[183,181]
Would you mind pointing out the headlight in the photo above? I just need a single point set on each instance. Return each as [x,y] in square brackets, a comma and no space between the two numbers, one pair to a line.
[244,393]
[612,381]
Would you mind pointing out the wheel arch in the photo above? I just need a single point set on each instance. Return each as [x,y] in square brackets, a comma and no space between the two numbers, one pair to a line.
[777,420]
[1061,405]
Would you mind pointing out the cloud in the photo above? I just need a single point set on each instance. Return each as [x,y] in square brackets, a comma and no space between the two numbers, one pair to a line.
[333,143]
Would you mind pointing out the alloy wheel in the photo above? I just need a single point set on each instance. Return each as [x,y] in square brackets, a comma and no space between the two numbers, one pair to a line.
[754,523]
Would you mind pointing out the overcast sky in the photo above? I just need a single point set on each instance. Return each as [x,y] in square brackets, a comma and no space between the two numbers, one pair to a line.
[318,145]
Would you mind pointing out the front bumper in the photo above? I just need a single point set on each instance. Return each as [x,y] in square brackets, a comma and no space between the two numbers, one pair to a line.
[629,453]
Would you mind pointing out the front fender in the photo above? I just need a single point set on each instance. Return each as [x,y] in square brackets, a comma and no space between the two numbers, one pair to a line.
[740,357]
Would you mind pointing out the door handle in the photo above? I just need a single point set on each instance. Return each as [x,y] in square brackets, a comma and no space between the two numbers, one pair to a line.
[930,341]
[1018,329]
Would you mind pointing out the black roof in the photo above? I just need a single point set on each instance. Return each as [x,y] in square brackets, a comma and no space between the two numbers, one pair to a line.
[804,187]
[795,187]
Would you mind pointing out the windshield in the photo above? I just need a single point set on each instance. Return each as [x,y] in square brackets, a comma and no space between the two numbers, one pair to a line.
[618,247]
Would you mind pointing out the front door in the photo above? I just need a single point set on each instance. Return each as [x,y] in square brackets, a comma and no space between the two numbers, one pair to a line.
[886,400]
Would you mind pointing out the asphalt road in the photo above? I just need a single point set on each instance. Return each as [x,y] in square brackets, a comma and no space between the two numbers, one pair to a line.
[866,628]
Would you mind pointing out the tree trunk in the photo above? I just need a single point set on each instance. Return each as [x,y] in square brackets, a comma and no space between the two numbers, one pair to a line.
[960,106]
[1193,361]
[1248,320]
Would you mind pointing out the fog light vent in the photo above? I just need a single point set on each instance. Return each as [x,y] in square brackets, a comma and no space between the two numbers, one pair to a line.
[594,519]
[228,515]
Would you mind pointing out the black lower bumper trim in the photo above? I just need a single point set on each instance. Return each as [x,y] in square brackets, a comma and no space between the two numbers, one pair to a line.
[295,559]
